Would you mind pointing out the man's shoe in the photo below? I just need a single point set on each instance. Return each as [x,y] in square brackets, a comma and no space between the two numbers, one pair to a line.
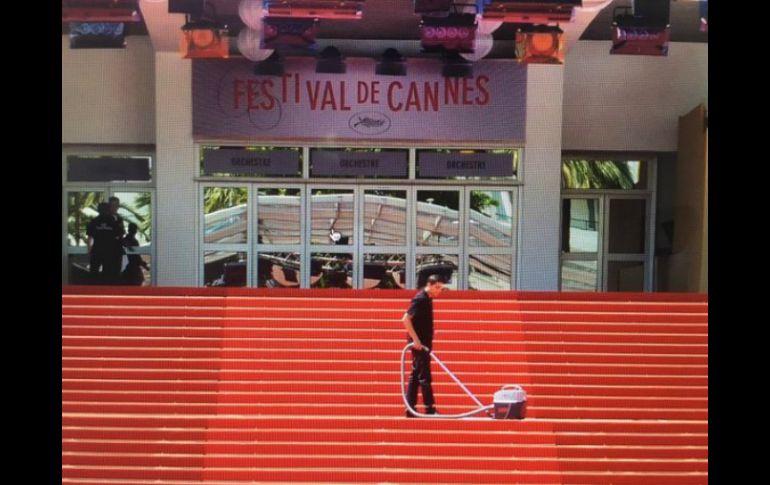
[409,414]
[431,411]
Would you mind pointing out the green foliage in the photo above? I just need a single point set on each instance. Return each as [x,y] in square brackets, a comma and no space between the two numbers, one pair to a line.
[596,174]
[217,198]
[77,217]
[482,200]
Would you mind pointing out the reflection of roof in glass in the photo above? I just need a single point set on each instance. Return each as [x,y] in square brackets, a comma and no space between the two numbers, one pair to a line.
[384,220]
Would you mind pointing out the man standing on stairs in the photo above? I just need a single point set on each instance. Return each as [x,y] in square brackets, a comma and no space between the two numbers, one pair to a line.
[418,321]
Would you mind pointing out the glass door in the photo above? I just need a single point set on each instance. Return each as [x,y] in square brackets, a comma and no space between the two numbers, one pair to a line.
[384,238]
[81,206]
[606,243]
[333,243]
[626,265]
[490,245]
[225,217]
[136,209]
[438,233]
[280,215]
[581,245]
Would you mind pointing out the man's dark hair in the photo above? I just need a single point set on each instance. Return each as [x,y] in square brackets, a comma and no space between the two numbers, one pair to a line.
[103,208]
[114,199]
[434,278]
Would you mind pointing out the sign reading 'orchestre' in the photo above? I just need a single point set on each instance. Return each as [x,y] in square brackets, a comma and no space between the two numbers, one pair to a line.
[231,102]
[335,163]
[252,162]
[440,165]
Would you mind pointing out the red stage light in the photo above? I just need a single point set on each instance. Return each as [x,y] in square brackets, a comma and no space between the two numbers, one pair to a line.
[541,45]
[204,42]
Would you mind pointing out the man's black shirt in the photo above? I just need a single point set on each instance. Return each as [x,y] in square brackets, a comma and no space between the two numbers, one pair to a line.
[421,311]
[106,233]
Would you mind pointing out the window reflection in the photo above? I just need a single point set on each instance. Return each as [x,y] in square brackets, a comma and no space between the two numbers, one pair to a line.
[444,265]
[331,270]
[278,270]
[332,217]
[384,217]
[489,272]
[225,212]
[438,221]
[384,271]
[224,268]
[279,216]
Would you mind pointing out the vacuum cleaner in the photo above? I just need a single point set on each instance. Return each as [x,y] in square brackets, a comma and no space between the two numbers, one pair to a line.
[510,402]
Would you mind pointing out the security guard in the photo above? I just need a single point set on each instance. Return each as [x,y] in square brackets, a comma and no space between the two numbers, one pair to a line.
[418,321]
[104,246]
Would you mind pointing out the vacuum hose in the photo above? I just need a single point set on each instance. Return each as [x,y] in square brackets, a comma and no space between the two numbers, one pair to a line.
[480,409]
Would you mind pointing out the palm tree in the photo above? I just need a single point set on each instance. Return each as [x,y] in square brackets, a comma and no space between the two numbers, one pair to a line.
[140,213]
[481,200]
[597,174]
[77,216]
[217,198]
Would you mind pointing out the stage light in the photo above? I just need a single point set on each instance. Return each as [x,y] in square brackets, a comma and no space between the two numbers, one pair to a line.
[645,41]
[97,35]
[540,44]
[204,40]
[455,32]
[272,66]
[456,66]
[330,61]
[288,32]
[645,34]
[391,63]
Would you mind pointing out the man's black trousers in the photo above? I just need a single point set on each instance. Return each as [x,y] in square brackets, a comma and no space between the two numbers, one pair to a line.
[420,377]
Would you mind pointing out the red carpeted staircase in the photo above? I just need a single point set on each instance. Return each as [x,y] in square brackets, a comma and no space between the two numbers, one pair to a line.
[181,386]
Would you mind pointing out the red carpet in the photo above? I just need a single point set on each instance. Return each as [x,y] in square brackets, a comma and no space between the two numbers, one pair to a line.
[180,386]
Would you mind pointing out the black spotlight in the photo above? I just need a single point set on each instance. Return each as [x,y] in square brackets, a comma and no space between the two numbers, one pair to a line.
[456,66]
[272,66]
[330,61]
[391,63]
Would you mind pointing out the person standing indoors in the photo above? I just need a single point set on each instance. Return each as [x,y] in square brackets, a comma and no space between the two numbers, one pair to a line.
[103,237]
[132,274]
[116,256]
